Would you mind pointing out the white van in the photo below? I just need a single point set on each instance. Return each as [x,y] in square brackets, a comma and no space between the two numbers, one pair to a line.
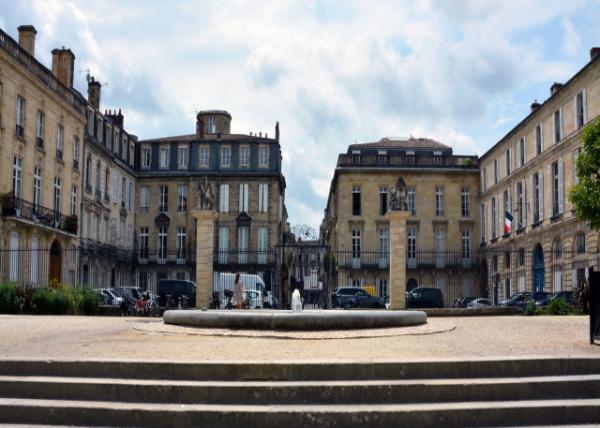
[253,285]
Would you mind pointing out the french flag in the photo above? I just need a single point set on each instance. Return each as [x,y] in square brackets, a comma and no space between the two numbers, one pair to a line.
[508,218]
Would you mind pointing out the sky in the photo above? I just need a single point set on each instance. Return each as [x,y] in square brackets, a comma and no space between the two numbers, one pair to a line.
[331,72]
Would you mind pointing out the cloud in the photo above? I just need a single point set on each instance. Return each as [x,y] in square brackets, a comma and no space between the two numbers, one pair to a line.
[332,73]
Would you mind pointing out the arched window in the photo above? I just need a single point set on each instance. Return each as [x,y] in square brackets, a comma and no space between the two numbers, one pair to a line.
[579,243]
[557,249]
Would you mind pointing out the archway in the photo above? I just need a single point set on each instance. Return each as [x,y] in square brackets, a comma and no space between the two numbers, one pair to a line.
[55,262]
[538,268]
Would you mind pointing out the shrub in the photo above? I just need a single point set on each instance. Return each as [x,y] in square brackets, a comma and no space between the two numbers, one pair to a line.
[53,301]
[10,303]
[531,308]
[89,302]
[558,307]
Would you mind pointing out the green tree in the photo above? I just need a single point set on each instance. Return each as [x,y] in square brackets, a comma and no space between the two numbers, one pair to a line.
[585,196]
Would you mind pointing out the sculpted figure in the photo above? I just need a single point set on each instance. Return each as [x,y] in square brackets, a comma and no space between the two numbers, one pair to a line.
[205,199]
[398,196]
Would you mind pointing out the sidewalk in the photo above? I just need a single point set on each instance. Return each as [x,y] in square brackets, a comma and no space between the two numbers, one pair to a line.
[114,337]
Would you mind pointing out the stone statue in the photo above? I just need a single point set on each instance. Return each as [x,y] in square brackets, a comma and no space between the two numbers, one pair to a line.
[398,196]
[205,199]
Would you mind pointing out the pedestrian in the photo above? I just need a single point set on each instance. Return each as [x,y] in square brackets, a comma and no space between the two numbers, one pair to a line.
[238,292]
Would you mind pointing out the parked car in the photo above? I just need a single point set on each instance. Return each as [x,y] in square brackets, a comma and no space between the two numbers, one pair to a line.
[566,296]
[423,297]
[355,297]
[175,292]
[519,300]
[110,297]
[463,302]
[480,303]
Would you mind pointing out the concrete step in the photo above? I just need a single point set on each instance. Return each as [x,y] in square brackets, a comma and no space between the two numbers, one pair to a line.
[294,370]
[484,413]
[301,392]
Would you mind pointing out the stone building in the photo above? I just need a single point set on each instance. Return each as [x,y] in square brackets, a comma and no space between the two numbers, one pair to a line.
[109,179]
[244,174]
[529,174]
[442,230]
[41,134]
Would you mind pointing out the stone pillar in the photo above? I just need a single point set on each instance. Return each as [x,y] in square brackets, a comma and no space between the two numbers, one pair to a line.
[397,258]
[205,231]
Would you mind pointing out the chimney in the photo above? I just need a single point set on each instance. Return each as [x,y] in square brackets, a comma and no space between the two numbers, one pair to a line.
[555,88]
[199,127]
[594,52]
[534,106]
[94,89]
[63,64]
[277,131]
[27,38]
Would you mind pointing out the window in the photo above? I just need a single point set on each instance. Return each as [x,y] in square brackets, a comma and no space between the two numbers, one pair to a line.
[494,219]
[212,124]
[580,109]
[410,157]
[57,193]
[180,245]
[243,239]
[162,244]
[437,158]
[17,176]
[355,200]
[59,142]
[465,247]
[411,200]
[522,152]
[37,186]
[74,200]
[538,195]
[223,245]
[483,217]
[100,129]
[144,199]
[243,201]
[384,248]
[508,161]
[263,236]
[575,157]
[356,157]
[382,158]
[163,203]
[20,130]
[76,152]
[440,247]
[558,127]
[507,207]
[115,187]
[143,243]
[556,171]
[356,248]
[383,200]
[98,171]
[224,198]
[484,179]
[106,181]
[263,197]
[439,201]
[465,202]
[411,248]
[123,191]
[226,156]
[13,263]
[39,129]
[244,156]
[182,195]
[203,156]
[520,206]
[539,139]
[495,171]
[182,157]
[164,157]
[263,156]
[146,157]
[88,169]
[580,243]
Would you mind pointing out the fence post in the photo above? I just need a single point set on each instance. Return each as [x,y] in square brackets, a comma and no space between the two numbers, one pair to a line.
[205,229]
[397,258]
[594,305]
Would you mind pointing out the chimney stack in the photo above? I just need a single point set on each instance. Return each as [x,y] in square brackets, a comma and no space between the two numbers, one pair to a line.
[556,86]
[94,89]
[277,131]
[27,38]
[63,64]
[534,106]
[594,52]
[199,128]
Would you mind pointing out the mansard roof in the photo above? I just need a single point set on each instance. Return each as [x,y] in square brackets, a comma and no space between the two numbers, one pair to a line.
[410,143]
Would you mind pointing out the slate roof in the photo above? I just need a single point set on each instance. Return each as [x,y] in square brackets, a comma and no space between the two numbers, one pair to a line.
[402,143]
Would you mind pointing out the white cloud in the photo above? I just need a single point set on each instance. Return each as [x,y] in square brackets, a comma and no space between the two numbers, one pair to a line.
[330,73]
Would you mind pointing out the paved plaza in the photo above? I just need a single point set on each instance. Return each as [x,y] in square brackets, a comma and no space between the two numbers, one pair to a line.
[150,339]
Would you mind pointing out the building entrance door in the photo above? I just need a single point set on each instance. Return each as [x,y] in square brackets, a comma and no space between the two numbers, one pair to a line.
[55,262]
[538,268]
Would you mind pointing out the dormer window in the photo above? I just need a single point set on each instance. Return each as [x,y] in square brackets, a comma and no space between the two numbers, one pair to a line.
[382,157]
[146,157]
[226,156]
[164,157]
[356,157]
[437,158]
[263,156]
[410,157]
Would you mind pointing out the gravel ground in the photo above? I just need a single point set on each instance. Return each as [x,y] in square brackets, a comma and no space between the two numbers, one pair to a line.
[113,337]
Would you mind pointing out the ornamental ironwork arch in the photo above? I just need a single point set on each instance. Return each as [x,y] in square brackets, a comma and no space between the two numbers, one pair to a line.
[302,232]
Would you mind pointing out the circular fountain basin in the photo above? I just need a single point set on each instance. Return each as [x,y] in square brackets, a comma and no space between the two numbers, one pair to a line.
[291,320]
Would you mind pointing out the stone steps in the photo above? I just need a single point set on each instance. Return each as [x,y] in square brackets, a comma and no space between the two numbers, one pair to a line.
[447,393]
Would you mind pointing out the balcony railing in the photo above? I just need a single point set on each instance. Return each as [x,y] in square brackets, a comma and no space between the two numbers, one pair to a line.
[20,208]
[349,259]
[243,257]
[179,256]
[39,143]
[92,247]
[428,259]
[370,161]
[20,131]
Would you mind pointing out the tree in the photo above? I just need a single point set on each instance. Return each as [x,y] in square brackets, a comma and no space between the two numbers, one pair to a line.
[585,195]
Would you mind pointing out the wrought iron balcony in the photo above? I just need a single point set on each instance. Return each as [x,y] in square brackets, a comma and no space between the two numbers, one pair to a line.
[243,257]
[20,208]
[348,259]
[90,247]
[179,256]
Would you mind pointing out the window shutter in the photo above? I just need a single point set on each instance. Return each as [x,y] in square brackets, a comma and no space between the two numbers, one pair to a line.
[562,134]
[541,175]
[260,198]
[532,204]
[575,111]
[584,106]
[246,198]
[524,206]
[542,136]
[525,148]
[561,187]
[266,198]
[114,174]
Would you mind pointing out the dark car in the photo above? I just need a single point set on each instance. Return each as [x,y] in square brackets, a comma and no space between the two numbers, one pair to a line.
[462,302]
[519,300]
[423,297]
[354,297]
[175,292]
[566,296]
